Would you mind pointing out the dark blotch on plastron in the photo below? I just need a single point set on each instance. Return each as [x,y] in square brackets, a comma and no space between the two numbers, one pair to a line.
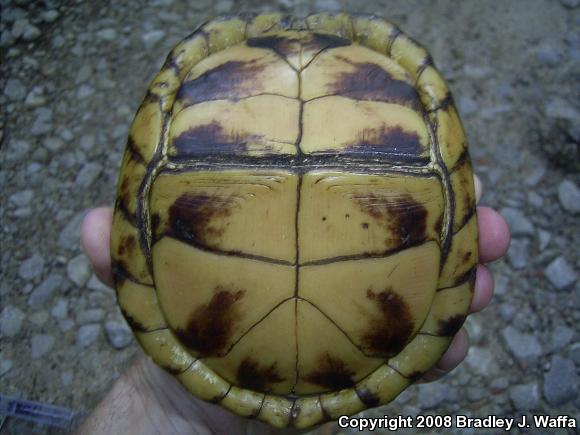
[325,41]
[365,225]
[449,327]
[256,377]
[332,373]
[369,398]
[369,81]
[209,328]
[211,138]
[401,145]
[230,80]
[127,245]
[193,218]
[402,216]
[390,329]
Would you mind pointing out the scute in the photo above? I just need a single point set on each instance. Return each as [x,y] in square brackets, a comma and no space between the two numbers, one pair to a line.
[295,235]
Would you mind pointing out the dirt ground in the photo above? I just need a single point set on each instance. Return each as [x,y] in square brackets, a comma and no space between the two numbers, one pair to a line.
[72,75]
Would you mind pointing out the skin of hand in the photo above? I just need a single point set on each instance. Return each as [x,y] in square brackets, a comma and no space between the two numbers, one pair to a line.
[147,400]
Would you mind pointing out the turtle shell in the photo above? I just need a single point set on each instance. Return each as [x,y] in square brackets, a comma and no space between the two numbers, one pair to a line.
[294,235]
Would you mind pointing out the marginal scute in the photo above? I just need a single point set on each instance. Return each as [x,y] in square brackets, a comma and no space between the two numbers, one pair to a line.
[409,54]
[307,412]
[188,53]
[224,33]
[146,129]
[372,32]
[381,386]
[450,134]
[462,185]
[165,350]
[337,24]
[462,257]
[139,305]
[126,251]
[133,169]
[432,87]
[276,411]
[203,382]
[448,308]
[243,402]
[415,359]
[264,23]
[344,402]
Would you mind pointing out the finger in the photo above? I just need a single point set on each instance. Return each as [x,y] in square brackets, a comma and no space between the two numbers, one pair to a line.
[494,235]
[478,188]
[483,290]
[95,240]
[455,354]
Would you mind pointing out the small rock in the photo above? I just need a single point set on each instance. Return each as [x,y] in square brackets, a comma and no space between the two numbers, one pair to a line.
[14,89]
[544,238]
[43,122]
[467,105]
[94,315]
[78,270]
[570,4]
[151,38]
[66,378]
[501,284]
[70,235]
[60,309]
[22,198]
[535,200]
[11,319]
[118,334]
[482,361]
[5,366]
[561,336]
[31,267]
[432,395]
[39,318]
[50,16]
[107,34]
[575,352]
[41,344]
[519,224]
[88,174]
[524,347]
[87,142]
[536,175]
[560,382]
[569,196]
[548,56]
[518,253]
[53,143]
[525,397]
[85,91]
[558,108]
[499,384]
[560,274]
[44,291]
[35,97]
[88,334]
[66,325]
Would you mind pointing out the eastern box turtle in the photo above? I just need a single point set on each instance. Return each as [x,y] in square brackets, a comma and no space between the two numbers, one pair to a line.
[295,235]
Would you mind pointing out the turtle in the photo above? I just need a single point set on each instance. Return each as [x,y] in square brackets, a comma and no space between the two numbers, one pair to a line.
[294,235]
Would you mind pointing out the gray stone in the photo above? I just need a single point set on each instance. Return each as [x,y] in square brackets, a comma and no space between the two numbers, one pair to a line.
[519,224]
[66,325]
[30,33]
[525,348]
[560,382]
[50,16]
[41,344]
[5,366]
[548,56]
[501,284]
[467,105]
[570,4]
[518,253]
[18,150]
[88,334]
[558,108]
[44,291]
[22,198]
[31,267]
[560,338]
[107,34]
[569,196]
[35,97]
[432,395]
[525,397]
[88,174]
[118,334]
[14,89]
[66,378]
[482,361]
[575,352]
[39,318]
[499,384]
[78,270]
[93,315]
[42,122]
[87,142]
[85,91]
[60,309]
[11,319]
[535,200]
[53,143]
[561,274]
[151,38]
[69,237]
[538,172]
[544,238]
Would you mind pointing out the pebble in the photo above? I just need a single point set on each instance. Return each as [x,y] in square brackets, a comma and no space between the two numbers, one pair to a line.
[66,378]
[535,200]
[87,142]
[43,122]
[85,91]
[88,174]
[66,325]
[5,366]
[31,267]
[518,223]
[560,274]
[575,352]
[525,397]
[432,395]
[94,315]
[88,334]
[53,143]
[14,89]
[22,198]
[39,318]
[50,16]
[482,361]
[560,382]
[60,309]
[107,34]
[569,196]
[501,283]
[538,172]
[35,97]
[570,4]
[151,38]
[70,235]
[78,270]
[118,334]
[518,253]
[548,56]
[544,238]
[499,384]
[561,336]
[11,319]
[41,344]
[467,105]
[558,108]
[524,347]
[44,291]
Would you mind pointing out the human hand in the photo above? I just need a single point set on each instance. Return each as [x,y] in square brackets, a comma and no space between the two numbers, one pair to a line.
[163,396]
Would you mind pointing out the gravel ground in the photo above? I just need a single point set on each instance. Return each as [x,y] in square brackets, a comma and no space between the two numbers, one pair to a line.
[73,74]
